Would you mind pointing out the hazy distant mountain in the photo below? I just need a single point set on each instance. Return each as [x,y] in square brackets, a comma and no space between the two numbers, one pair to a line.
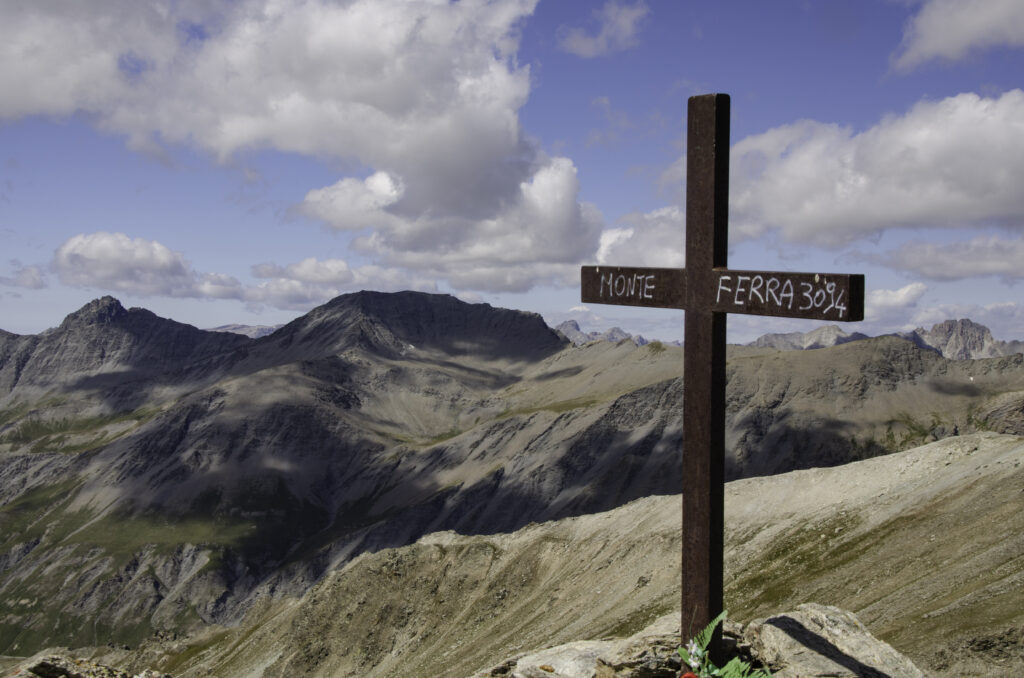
[954,339]
[822,337]
[251,331]
[157,478]
[963,340]
[571,330]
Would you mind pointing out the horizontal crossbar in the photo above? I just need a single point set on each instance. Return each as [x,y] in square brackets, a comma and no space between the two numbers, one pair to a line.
[836,297]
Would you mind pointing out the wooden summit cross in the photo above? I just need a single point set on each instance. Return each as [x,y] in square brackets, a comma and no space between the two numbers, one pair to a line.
[707,291]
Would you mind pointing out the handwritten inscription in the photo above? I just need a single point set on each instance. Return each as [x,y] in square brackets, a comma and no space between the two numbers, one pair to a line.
[627,285]
[817,294]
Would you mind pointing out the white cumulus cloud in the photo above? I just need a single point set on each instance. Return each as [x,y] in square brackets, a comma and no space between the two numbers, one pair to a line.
[538,236]
[655,238]
[949,163]
[351,204]
[893,306]
[952,29]
[116,262]
[423,94]
[313,281]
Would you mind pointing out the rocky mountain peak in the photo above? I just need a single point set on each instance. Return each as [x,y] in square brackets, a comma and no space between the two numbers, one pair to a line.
[961,339]
[103,311]
[103,336]
[963,329]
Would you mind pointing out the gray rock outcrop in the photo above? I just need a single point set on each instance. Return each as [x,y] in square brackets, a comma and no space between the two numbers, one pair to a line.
[823,641]
[814,641]
[60,666]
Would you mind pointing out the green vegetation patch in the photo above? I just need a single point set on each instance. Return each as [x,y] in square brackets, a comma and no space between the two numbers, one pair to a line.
[795,559]
[28,517]
[637,620]
[51,435]
[556,407]
[13,413]
[180,661]
[447,435]
[123,534]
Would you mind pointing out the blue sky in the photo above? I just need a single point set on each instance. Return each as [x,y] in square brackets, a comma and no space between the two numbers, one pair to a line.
[245,161]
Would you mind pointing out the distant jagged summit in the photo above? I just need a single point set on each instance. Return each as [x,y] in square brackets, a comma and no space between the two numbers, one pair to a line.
[963,339]
[392,323]
[103,311]
[571,330]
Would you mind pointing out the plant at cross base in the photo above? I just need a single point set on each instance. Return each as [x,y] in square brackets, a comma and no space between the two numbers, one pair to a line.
[695,655]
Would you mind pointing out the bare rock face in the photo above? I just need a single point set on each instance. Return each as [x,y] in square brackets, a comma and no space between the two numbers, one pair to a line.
[819,640]
[963,340]
[815,641]
[959,340]
[58,666]
[651,653]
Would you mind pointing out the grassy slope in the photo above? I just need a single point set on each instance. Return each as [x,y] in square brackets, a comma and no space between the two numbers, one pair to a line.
[925,546]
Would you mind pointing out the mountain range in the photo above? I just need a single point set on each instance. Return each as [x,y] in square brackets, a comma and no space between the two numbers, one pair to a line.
[160,482]
[955,339]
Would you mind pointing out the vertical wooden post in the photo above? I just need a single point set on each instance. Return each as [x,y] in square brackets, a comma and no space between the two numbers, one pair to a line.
[699,289]
[707,238]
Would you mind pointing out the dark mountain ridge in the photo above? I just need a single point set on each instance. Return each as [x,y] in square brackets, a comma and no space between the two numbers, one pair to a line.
[393,324]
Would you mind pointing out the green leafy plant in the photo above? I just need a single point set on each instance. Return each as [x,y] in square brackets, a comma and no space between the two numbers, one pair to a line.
[695,656]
